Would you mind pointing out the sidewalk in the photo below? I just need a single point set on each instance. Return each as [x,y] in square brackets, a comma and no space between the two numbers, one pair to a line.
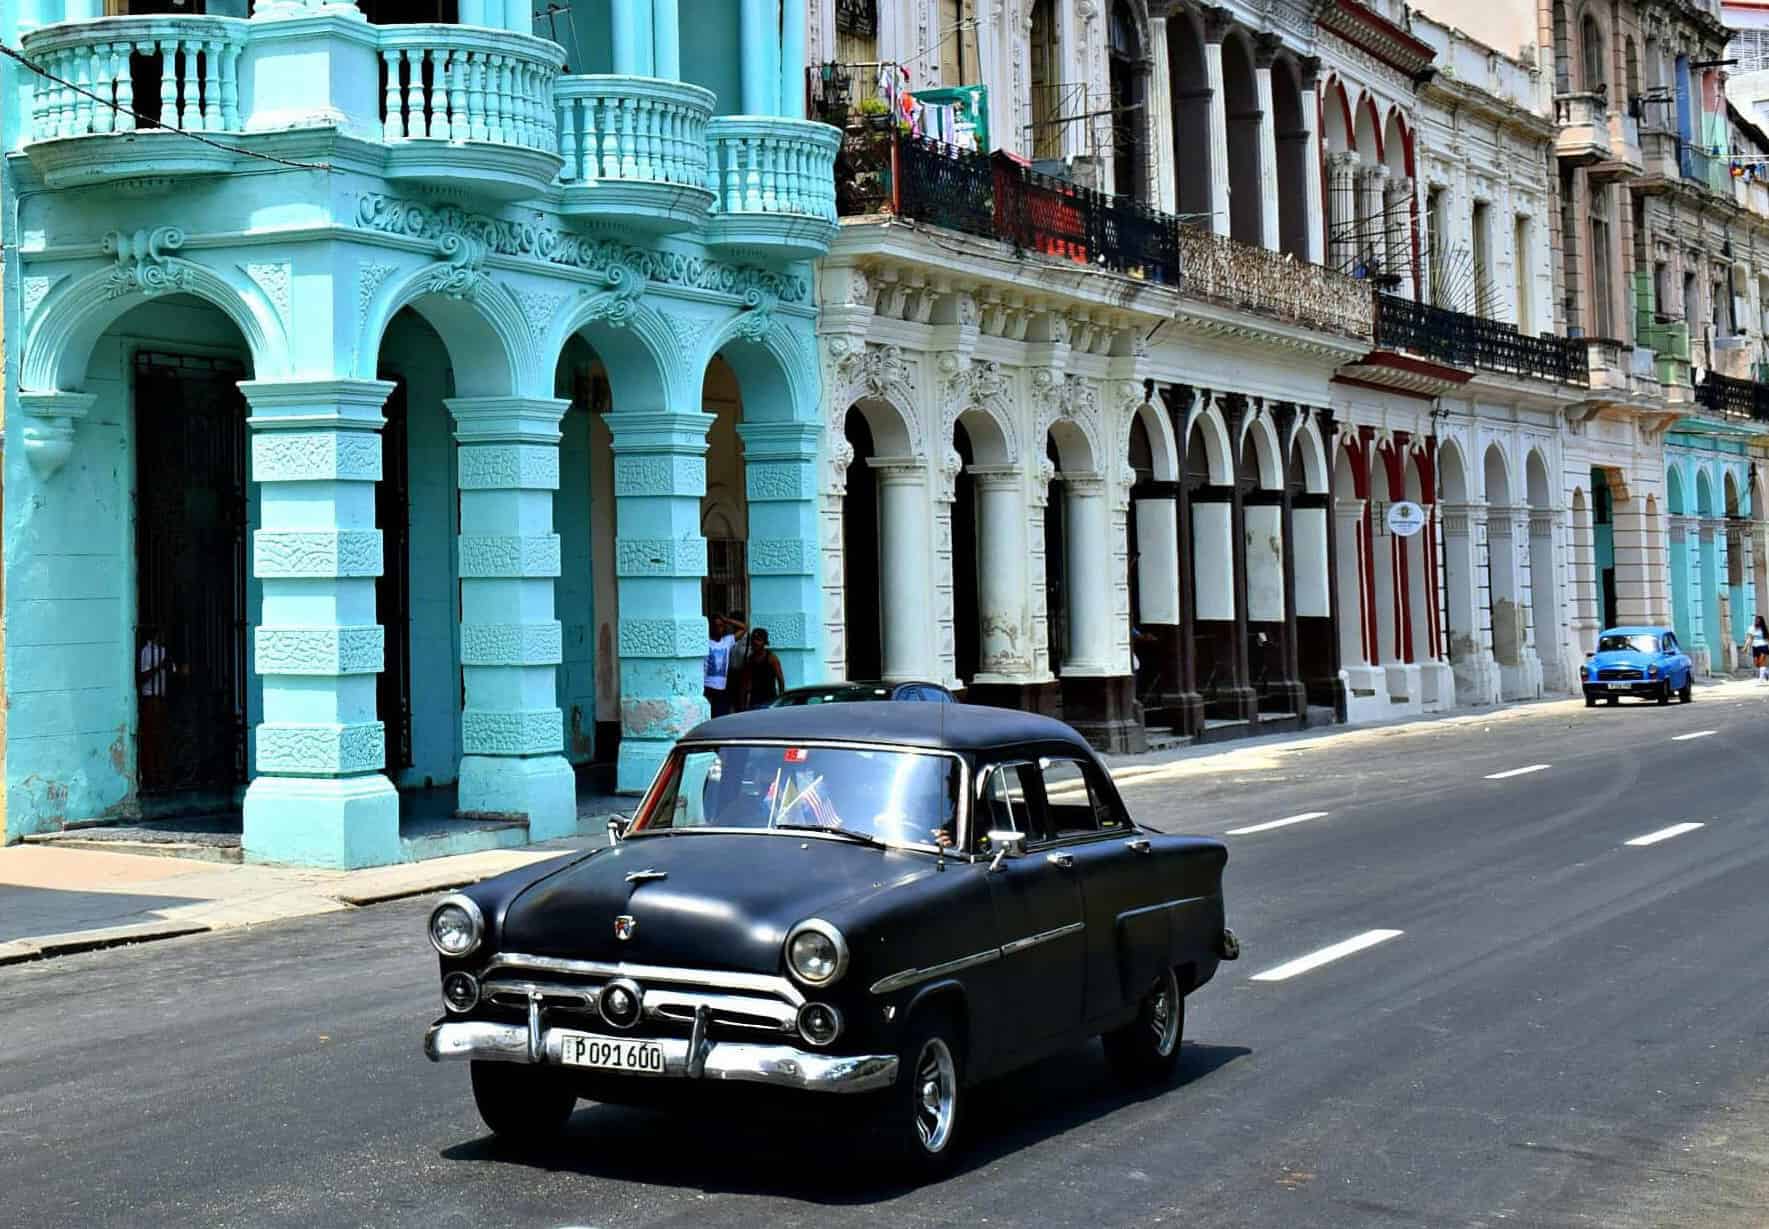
[56,901]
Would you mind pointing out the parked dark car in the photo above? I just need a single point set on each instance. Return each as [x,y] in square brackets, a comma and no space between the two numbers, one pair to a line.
[1638,661]
[873,908]
[859,693]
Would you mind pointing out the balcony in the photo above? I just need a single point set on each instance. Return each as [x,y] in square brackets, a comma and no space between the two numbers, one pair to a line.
[1699,164]
[1733,399]
[635,151]
[1625,159]
[773,183]
[1461,340]
[998,198]
[1582,137]
[465,104]
[151,76]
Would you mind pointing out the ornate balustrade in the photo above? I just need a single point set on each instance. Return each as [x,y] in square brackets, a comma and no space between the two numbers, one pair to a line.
[447,89]
[135,75]
[1274,284]
[1727,397]
[773,182]
[635,148]
[1468,341]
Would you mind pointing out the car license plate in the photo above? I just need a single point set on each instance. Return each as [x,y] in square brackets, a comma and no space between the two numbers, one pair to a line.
[1620,686]
[611,1054]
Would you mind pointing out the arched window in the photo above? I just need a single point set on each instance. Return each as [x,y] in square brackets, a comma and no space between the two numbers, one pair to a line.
[1129,84]
[1595,78]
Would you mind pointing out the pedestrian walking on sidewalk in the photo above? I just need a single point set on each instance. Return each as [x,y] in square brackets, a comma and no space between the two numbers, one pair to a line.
[763,679]
[1760,649]
[719,645]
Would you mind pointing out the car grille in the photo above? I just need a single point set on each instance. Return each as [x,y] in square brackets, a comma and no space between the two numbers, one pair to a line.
[670,997]
[1618,673]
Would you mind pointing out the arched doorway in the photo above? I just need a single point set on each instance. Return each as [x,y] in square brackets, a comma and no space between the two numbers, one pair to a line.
[1241,101]
[1129,93]
[1312,570]
[888,631]
[1738,598]
[1350,492]
[587,594]
[1190,82]
[1544,576]
[1152,548]
[1504,584]
[1209,491]
[1294,157]
[1266,549]
[1711,636]
[991,625]
[1416,555]
[1682,579]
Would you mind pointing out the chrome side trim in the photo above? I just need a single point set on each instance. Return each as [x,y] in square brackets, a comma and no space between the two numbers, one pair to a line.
[760,983]
[1166,904]
[913,977]
[1043,936]
[744,1062]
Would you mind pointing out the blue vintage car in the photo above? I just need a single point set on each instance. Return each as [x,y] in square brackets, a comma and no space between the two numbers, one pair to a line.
[1638,661]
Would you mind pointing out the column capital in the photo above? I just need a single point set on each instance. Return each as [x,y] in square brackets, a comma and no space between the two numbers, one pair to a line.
[660,430]
[1266,47]
[522,420]
[898,471]
[1218,22]
[1308,70]
[779,439]
[294,404]
[1681,523]
[997,477]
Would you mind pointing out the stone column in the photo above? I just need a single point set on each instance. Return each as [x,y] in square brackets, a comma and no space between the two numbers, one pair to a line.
[1090,598]
[1341,210]
[1006,655]
[320,798]
[1397,220]
[1267,47]
[1311,170]
[627,41]
[1372,187]
[666,42]
[1470,638]
[1216,27]
[1159,94]
[1713,562]
[660,559]
[512,732]
[1696,636]
[906,622]
[780,481]
[792,57]
[759,59]
[1544,598]
[1355,632]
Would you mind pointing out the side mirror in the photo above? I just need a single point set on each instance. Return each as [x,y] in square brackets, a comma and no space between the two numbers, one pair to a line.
[1590,655]
[617,828]
[1007,845]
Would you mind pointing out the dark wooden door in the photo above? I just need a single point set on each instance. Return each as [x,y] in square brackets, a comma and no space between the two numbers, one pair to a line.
[190,543]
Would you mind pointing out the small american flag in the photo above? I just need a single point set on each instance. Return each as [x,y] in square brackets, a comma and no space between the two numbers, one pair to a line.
[816,806]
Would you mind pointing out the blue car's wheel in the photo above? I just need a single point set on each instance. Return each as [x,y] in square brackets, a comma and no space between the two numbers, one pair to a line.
[1688,692]
[1664,692]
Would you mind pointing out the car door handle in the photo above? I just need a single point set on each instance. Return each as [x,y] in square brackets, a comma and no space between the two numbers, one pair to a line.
[1139,845]
[1064,860]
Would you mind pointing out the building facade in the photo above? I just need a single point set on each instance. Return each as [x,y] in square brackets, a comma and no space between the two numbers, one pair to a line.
[375,391]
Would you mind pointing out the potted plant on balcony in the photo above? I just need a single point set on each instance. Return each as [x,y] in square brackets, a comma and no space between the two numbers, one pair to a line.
[875,114]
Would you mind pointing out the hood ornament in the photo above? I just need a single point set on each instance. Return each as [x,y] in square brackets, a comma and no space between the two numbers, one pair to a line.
[624,926]
[646,876]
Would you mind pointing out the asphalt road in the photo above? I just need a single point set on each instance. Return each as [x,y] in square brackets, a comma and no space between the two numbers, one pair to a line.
[1567,1030]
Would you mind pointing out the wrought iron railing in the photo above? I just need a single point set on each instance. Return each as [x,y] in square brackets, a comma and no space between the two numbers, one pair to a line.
[1731,398]
[1462,340]
[999,198]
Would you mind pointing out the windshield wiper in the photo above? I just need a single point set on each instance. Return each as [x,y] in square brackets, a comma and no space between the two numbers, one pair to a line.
[866,837]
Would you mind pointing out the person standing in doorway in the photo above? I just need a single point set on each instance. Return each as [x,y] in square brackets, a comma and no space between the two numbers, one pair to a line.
[739,652]
[763,678]
[1760,649]
[153,677]
[720,642]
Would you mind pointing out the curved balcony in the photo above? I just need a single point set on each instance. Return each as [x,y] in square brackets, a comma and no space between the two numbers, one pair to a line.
[635,151]
[1582,122]
[774,180]
[144,78]
[469,105]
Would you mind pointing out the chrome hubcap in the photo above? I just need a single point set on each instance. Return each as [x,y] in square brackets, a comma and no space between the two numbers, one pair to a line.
[1162,1013]
[936,1078]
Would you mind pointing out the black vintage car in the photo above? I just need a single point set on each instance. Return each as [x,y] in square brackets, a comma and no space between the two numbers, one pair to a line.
[872,905]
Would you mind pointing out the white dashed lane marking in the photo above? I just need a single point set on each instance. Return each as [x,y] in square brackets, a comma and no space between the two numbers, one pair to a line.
[1276,823]
[1663,834]
[1683,738]
[1303,964]
[1518,772]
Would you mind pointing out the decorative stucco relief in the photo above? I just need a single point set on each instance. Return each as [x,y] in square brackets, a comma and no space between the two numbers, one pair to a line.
[320,650]
[491,467]
[273,279]
[145,262]
[532,241]
[665,474]
[758,316]
[780,557]
[527,731]
[660,556]
[461,273]
[538,309]
[668,638]
[778,480]
[36,289]
[369,276]
[321,749]
[316,456]
[624,285]
[491,556]
[512,644]
[316,553]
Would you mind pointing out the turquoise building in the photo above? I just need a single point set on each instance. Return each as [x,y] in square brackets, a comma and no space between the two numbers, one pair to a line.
[1717,545]
[390,394]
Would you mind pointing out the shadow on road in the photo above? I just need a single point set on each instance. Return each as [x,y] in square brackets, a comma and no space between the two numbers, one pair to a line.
[729,1152]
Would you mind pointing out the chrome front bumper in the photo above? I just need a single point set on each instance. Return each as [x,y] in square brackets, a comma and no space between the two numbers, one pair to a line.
[779,1065]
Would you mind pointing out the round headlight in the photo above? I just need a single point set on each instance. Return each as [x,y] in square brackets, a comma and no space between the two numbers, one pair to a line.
[460,991]
[456,927]
[816,952]
[819,1023]
[1652,672]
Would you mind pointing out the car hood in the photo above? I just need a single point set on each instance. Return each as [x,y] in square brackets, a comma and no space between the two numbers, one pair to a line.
[725,901]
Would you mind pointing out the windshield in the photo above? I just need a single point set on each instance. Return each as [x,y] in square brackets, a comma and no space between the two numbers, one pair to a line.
[899,797]
[1616,643]
[834,695]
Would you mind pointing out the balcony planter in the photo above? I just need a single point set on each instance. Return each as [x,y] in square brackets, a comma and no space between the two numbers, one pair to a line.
[468,106]
[635,151]
[157,74]
[774,186]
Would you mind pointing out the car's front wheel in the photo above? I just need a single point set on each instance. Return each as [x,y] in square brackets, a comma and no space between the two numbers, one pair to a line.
[521,1103]
[1145,1050]
[1688,692]
[1664,692]
[923,1118]
[1590,700]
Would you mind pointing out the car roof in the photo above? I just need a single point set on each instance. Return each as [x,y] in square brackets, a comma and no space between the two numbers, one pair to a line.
[950,727]
[858,685]
[1642,629]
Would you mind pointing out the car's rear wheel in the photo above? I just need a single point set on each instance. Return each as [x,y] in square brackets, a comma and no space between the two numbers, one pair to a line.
[925,1106]
[1145,1050]
[521,1103]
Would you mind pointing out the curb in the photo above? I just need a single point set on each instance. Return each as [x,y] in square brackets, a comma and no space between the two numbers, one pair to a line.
[46,947]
